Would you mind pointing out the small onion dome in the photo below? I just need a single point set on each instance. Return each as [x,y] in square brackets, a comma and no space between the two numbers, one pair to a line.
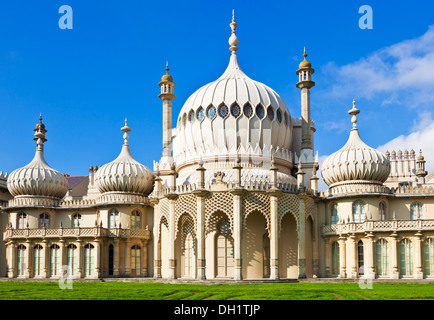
[124,174]
[355,162]
[305,64]
[167,77]
[38,178]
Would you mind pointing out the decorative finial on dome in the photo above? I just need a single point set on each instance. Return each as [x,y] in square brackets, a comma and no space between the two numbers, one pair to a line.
[233,40]
[126,129]
[167,67]
[40,134]
[354,111]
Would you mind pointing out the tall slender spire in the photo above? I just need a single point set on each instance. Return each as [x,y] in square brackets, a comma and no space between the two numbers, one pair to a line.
[233,40]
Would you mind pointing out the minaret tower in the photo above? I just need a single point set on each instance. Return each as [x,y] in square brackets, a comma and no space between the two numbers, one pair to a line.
[307,158]
[167,96]
[304,83]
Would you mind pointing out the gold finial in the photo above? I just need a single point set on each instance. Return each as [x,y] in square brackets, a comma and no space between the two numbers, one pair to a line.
[233,40]
[304,64]
[354,111]
[167,77]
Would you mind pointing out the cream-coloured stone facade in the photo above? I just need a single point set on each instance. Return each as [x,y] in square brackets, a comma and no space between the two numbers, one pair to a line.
[233,196]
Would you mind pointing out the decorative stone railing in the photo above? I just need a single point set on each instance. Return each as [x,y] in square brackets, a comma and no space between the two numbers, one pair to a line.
[406,190]
[95,232]
[355,188]
[378,226]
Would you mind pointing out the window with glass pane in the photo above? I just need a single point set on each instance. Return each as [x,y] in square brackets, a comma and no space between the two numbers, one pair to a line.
[235,110]
[76,220]
[334,214]
[200,114]
[135,260]
[191,116]
[335,258]
[211,112]
[382,211]
[44,220]
[21,260]
[72,259]
[55,260]
[260,112]
[114,218]
[382,255]
[360,256]
[279,116]
[22,220]
[406,257]
[89,260]
[358,212]
[428,257]
[37,260]
[248,111]
[223,111]
[270,113]
[136,220]
[416,211]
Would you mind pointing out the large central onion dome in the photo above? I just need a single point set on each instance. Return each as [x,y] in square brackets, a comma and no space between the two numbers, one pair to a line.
[38,179]
[233,115]
[355,162]
[124,174]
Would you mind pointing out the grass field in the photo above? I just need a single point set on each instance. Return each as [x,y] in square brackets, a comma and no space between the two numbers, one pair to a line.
[11,290]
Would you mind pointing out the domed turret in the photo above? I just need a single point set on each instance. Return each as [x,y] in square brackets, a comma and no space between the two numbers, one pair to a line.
[124,174]
[38,179]
[355,162]
[233,115]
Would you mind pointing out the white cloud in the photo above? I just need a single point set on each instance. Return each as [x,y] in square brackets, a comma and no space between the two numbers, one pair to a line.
[403,71]
[420,137]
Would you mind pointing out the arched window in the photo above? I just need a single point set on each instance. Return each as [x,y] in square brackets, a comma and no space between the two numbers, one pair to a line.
[405,257]
[334,218]
[382,211]
[360,256]
[22,221]
[72,259]
[382,255]
[428,257]
[89,259]
[55,260]
[44,220]
[135,261]
[335,258]
[136,220]
[113,218]
[416,211]
[76,220]
[358,212]
[21,259]
[188,253]
[224,250]
[37,260]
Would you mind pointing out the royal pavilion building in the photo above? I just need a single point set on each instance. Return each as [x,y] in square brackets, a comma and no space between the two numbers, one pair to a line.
[234,196]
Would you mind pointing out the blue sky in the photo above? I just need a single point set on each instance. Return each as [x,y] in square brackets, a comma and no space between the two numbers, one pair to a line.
[85,81]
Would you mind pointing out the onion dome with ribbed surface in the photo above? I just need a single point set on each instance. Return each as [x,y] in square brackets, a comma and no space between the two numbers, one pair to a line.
[355,162]
[233,114]
[124,174]
[38,179]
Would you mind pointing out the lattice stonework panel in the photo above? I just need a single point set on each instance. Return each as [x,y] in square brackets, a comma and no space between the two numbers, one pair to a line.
[309,208]
[218,202]
[162,221]
[257,201]
[186,225]
[185,204]
[288,203]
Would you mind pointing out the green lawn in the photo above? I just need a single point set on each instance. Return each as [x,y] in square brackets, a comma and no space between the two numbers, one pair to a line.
[164,291]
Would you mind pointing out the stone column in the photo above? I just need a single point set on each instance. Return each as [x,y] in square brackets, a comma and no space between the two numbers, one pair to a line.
[115,257]
[342,257]
[62,249]
[237,235]
[418,256]
[28,271]
[274,234]
[369,254]
[200,236]
[145,258]
[12,259]
[98,266]
[80,261]
[172,256]
[157,241]
[352,251]
[45,259]
[301,240]
[394,256]
[327,256]
[127,255]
